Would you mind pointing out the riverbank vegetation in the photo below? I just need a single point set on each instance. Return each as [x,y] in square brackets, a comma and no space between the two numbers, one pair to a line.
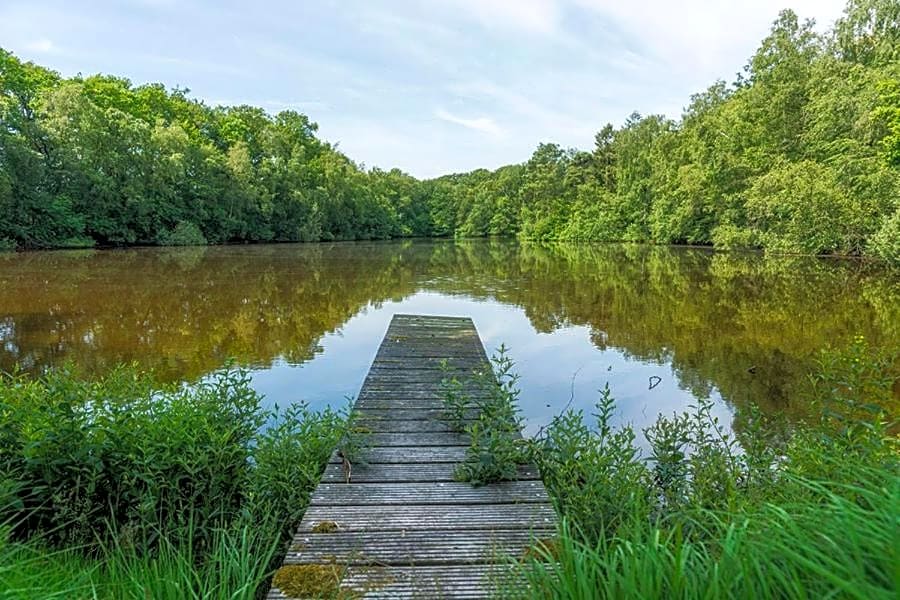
[799,155]
[125,488]
[122,488]
[768,511]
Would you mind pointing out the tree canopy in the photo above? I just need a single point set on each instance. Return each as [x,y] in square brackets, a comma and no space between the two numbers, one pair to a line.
[801,154]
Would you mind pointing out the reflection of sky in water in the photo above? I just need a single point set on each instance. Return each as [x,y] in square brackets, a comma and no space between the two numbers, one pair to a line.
[546,362]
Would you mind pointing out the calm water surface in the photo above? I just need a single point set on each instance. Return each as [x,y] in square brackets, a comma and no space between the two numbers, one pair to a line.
[307,319]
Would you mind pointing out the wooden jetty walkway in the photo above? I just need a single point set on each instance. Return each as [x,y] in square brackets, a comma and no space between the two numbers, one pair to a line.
[405,528]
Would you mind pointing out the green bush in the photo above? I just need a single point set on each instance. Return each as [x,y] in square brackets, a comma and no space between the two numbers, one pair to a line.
[800,208]
[885,243]
[185,233]
[7,245]
[806,513]
[122,460]
[732,237]
[595,477]
[75,242]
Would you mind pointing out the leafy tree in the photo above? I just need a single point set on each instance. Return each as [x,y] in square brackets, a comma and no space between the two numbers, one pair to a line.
[800,154]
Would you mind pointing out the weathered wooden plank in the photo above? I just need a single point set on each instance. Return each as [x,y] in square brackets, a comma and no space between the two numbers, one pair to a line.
[386,402]
[429,376]
[437,351]
[466,346]
[408,548]
[403,342]
[429,363]
[389,472]
[412,393]
[451,492]
[432,322]
[407,414]
[402,454]
[410,517]
[415,317]
[391,425]
[416,366]
[433,391]
[457,582]
[399,367]
[416,439]
[422,335]
[418,383]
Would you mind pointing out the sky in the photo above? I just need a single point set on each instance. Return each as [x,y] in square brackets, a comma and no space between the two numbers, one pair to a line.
[429,86]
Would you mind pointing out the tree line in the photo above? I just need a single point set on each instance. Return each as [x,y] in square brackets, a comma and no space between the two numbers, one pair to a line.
[801,154]
[98,161]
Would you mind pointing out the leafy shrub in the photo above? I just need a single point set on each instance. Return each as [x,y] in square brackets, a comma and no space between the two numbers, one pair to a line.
[602,484]
[496,449]
[456,400]
[801,208]
[885,243]
[703,516]
[126,459]
[594,477]
[732,237]
[185,233]
[352,441]
[7,245]
[75,242]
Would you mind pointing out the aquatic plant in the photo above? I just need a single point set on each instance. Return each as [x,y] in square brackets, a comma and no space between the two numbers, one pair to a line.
[807,512]
[496,446]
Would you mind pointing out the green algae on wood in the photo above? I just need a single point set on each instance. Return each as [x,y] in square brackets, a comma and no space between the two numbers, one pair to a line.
[309,581]
[325,527]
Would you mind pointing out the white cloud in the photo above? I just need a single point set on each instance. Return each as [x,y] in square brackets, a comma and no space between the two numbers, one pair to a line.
[481,124]
[534,16]
[533,114]
[705,37]
[42,45]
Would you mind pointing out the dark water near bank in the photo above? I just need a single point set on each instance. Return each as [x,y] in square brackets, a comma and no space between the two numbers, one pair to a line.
[308,319]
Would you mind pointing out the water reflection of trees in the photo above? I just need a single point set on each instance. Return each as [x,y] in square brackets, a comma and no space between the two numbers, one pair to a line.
[184,312]
[746,324]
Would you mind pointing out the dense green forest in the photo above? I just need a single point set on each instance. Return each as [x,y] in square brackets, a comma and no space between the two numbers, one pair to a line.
[800,154]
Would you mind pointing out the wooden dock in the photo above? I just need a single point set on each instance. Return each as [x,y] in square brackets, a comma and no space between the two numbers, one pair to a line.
[405,528]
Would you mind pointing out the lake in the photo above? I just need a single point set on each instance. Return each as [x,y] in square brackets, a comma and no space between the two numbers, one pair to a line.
[308,318]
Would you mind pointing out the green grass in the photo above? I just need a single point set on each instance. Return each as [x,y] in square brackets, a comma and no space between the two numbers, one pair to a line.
[834,547]
[237,565]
